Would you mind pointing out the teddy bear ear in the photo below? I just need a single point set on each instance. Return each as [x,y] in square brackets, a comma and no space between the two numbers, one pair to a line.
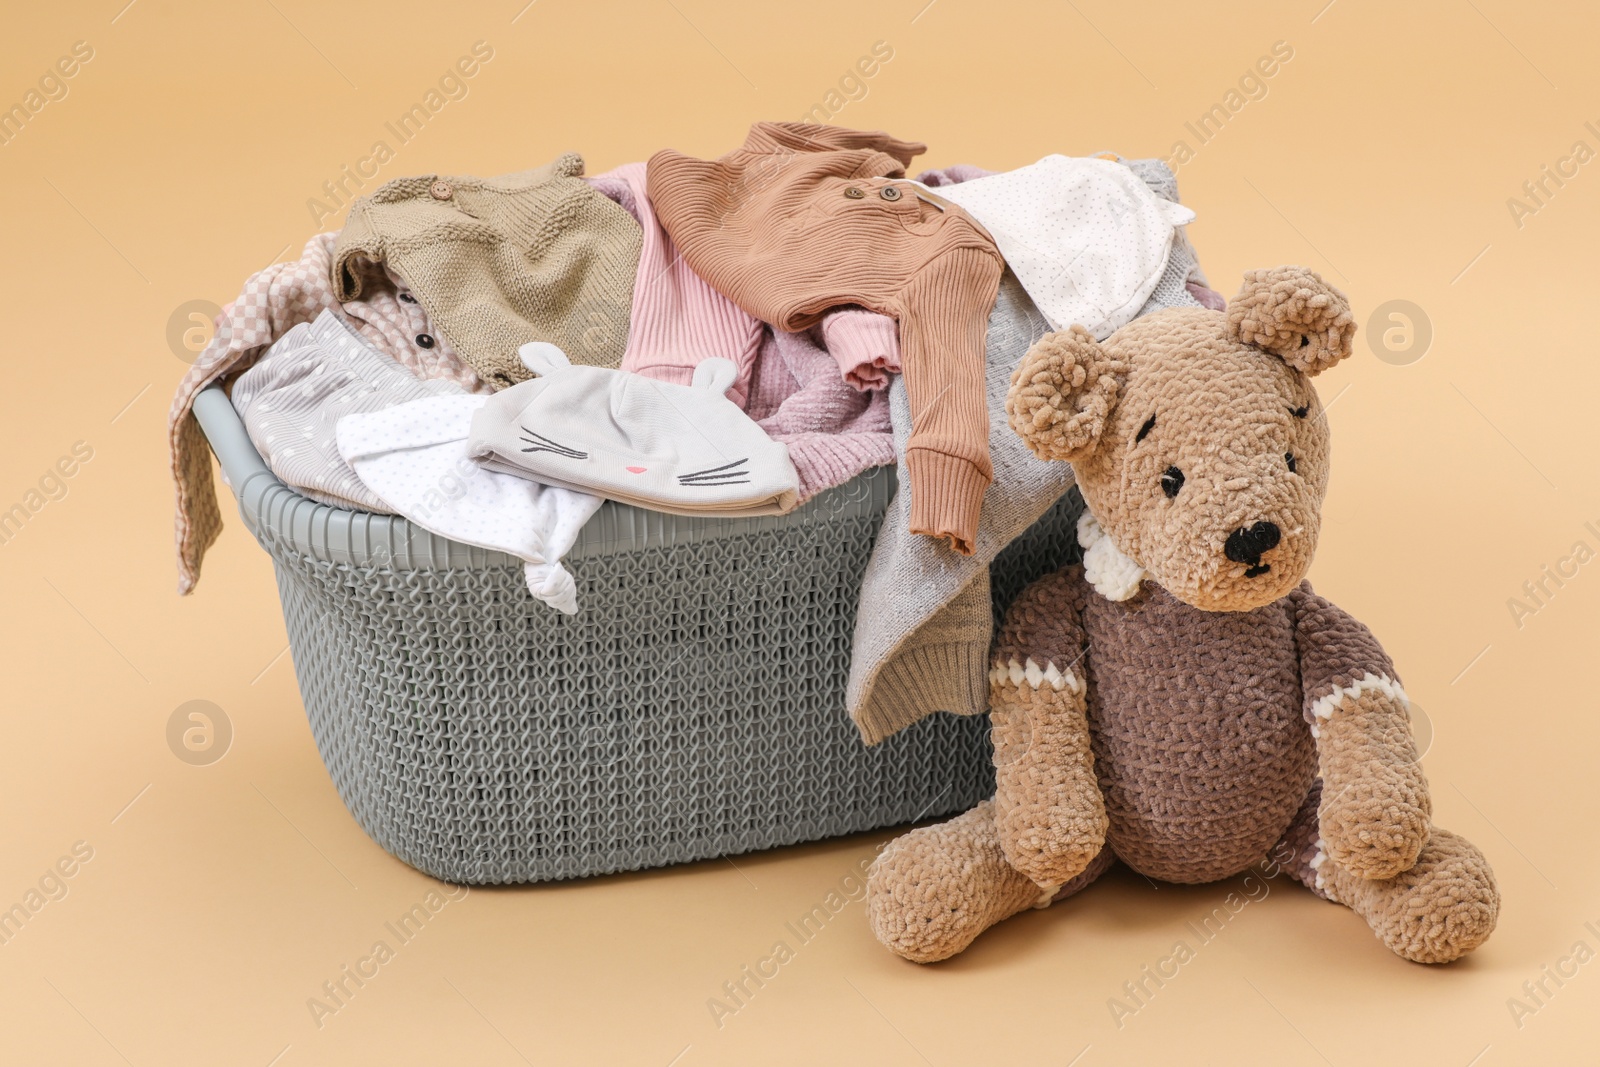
[1062,394]
[1294,314]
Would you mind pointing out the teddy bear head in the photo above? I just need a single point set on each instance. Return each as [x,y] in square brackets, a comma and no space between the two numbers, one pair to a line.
[1196,437]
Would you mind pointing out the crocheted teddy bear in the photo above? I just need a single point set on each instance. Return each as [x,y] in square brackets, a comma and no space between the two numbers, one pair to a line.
[1181,700]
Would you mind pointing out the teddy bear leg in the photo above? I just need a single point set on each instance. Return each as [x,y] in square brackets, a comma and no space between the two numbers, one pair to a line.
[1099,865]
[934,890]
[1297,852]
[1440,909]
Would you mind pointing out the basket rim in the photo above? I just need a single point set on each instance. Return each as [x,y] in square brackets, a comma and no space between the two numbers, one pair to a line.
[278,514]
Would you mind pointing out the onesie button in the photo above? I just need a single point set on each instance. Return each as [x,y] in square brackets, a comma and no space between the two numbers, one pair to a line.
[425,340]
[440,190]
[853,193]
[889,192]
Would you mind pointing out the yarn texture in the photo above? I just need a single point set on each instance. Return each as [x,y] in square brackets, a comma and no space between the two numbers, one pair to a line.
[534,256]
[1294,314]
[1183,702]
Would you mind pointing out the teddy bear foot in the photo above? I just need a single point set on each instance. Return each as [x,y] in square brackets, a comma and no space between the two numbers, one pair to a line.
[932,891]
[1442,908]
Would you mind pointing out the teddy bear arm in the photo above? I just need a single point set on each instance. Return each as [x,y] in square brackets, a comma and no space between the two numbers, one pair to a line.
[1048,808]
[1375,813]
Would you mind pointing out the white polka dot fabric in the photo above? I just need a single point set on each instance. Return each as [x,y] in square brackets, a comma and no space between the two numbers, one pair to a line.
[273,301]
[414,456]
[294,396]
[1087,238]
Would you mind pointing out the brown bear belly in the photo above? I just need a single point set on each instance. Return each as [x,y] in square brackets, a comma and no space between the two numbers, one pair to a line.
[1200,745]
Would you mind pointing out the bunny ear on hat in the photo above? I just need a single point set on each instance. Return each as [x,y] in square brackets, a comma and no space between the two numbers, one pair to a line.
[716,374]
[542,357]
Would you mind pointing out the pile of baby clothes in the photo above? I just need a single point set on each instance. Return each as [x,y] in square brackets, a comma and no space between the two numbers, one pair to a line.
[491,358]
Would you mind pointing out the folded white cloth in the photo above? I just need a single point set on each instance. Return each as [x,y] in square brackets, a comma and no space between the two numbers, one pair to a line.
[1086,237]
[683,449]
[414,456]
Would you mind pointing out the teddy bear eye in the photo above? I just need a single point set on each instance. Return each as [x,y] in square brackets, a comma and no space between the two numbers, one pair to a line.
[1301,411]
[1288,457]
[1171,482]
[1304,340]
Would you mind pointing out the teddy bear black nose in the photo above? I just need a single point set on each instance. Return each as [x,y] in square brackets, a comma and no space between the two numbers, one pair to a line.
[1247,543]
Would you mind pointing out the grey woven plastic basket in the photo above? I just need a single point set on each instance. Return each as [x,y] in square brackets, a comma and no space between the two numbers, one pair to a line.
[693,708]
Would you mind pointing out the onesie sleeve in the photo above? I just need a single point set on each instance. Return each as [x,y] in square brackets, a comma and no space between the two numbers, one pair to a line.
[866,346]
[943,333]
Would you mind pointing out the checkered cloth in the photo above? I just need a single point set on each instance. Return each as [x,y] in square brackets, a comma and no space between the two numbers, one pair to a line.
[272,301]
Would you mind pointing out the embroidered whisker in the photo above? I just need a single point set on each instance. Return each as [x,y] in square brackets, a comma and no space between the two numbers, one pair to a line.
[542,443]
[713,470]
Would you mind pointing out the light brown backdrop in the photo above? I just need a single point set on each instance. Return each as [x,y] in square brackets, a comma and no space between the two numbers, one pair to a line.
[181,157]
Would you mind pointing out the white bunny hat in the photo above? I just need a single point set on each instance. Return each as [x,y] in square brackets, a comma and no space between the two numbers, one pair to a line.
[684,449]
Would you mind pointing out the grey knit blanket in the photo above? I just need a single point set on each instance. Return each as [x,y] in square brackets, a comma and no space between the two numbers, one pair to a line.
[924,622]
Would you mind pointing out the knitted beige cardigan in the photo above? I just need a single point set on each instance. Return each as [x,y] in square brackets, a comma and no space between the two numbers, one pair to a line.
[496,263]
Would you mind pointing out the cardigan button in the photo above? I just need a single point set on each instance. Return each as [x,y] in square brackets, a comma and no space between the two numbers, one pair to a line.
[889,192]
[853,193]
[440,190]
[425,340]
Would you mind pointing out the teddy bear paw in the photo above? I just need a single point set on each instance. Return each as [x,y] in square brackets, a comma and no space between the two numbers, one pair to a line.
[931,892]
[1440,909]
[1375,828]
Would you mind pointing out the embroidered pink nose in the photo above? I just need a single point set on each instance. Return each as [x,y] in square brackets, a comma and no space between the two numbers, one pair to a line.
[635,470]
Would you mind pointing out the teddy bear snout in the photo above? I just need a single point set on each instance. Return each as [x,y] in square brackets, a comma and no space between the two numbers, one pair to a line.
[1247,543]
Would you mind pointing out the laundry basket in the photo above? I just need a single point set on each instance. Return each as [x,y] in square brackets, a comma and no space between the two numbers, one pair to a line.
[693,708]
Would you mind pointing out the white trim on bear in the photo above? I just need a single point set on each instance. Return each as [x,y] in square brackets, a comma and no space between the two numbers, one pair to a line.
[1014,673]
[1323,709]
[1316,865]
[1113,574]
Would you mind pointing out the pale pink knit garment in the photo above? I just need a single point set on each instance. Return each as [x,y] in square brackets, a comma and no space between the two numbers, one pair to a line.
[1209,298]
[953,175]
[833,431]
[796,390]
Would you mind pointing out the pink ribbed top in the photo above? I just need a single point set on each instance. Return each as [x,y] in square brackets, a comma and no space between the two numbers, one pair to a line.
[677,319]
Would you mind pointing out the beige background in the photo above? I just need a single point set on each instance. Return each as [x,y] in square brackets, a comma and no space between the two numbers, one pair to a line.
[219,898]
